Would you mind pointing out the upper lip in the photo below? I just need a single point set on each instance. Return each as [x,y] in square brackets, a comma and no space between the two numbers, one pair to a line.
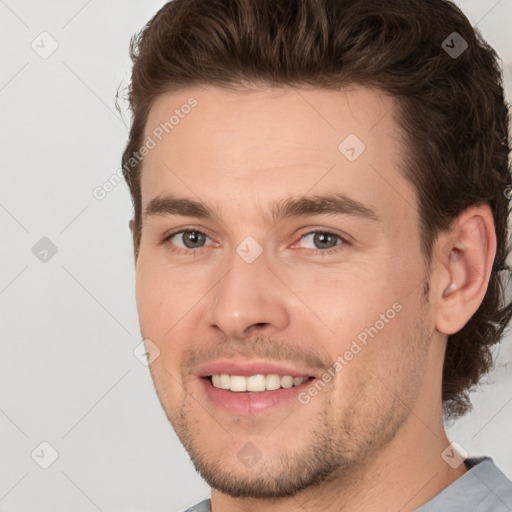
[248,368]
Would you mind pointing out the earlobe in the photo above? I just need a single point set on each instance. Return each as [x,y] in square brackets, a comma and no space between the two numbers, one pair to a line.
[464,268]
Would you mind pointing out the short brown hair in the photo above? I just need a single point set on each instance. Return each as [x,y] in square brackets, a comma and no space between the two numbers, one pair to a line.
[451,109]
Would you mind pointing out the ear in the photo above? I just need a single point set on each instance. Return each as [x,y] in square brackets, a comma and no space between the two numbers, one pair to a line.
[130,224]
[464,268]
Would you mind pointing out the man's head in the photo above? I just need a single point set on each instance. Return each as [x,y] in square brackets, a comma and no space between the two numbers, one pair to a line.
[275,127]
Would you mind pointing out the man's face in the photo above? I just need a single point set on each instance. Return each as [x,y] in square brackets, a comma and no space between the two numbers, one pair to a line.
[309,295]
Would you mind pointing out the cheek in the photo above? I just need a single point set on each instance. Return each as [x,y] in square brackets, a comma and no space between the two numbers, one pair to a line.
[148,294]
[385,351]
[167,303]
[156,296]
[367,317]
[367,374]
[349,302]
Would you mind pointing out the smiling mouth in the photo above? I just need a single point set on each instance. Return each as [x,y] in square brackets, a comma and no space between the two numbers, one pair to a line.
[255,383]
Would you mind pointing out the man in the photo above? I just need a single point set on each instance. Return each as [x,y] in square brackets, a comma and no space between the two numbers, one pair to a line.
[320,235]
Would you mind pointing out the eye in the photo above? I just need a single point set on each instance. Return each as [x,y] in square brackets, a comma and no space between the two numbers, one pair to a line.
[191,241]
[326,240]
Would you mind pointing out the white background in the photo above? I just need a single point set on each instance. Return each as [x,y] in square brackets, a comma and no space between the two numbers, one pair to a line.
[67,372]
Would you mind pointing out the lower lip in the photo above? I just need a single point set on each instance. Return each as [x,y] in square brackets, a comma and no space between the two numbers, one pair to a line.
[249,403]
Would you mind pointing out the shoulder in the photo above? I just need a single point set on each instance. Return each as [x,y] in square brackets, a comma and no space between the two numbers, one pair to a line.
[484,488]
[204,506]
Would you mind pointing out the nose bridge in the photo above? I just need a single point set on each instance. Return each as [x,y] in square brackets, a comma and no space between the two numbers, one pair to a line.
[248,294]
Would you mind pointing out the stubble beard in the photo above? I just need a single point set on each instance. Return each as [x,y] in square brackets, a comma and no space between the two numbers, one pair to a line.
[330,452]
[334,449]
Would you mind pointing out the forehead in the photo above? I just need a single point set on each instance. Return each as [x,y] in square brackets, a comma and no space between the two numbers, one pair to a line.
[219,117]
[271,143]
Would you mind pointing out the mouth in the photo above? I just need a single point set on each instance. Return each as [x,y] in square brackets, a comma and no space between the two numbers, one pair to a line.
[249,388]
[258,383]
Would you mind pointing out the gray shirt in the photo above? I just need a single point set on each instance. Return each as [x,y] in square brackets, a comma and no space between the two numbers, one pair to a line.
[484,488]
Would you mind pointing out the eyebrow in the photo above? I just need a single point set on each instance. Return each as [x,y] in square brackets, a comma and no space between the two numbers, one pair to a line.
[333,204]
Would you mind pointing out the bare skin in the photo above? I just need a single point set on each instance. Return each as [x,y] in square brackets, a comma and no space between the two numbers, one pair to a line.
[371,439]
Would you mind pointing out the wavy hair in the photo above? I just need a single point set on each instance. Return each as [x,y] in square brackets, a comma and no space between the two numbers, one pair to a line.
[451,110]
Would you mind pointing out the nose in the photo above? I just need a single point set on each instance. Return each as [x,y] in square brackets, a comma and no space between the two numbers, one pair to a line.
[249,298]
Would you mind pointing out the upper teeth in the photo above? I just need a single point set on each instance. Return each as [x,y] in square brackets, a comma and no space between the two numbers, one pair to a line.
[255,382]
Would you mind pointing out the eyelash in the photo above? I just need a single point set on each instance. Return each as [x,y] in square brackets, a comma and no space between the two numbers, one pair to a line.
[322,252]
